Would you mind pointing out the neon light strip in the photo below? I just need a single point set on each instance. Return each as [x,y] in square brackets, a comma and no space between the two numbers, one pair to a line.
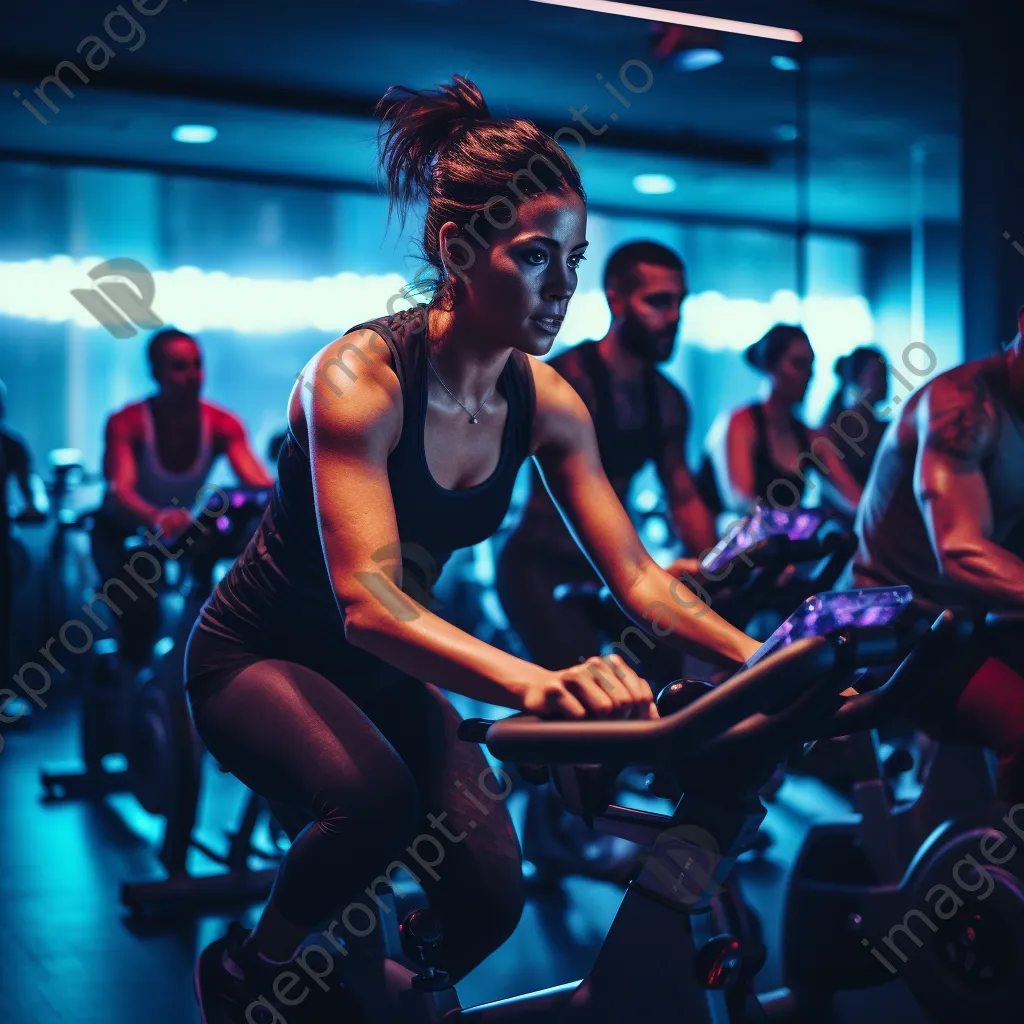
[196,300]
[739,28]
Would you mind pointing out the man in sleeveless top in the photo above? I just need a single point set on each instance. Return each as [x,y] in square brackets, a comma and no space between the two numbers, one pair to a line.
[939,514]
[639,416]
[158,455]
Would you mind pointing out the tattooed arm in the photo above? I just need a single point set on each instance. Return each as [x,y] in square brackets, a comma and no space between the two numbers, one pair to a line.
[957,425]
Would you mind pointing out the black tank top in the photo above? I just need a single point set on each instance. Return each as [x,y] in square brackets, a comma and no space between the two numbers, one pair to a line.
[766,470]
[277,598]
[623,452]
[767,473]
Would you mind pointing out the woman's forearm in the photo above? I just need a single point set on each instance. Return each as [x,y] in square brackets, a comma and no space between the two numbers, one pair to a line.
[679,612]
[422,644]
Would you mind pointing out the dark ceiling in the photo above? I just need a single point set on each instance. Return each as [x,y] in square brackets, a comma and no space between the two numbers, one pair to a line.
[289,87]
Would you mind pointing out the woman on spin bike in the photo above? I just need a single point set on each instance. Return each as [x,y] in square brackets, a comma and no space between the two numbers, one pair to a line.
[761,450]
[863,385]
[307,670]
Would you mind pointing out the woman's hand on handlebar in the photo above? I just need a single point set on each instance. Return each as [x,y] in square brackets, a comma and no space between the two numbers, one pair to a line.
[598,688]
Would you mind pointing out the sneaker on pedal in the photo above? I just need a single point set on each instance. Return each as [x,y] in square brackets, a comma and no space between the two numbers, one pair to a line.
[233,986]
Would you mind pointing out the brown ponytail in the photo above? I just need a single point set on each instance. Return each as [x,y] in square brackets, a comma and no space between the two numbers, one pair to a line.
[444,144]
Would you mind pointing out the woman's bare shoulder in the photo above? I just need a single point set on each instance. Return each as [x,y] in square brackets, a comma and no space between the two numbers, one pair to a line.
[349,389]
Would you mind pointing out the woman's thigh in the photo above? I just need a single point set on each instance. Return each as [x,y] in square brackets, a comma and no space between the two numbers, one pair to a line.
[456,785]
[466,853]
[291,735]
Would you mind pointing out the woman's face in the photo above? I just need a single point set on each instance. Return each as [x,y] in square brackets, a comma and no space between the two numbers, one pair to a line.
[518,285]
[793,371]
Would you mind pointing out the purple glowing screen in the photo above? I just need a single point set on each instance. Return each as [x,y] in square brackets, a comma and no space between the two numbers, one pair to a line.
[824,613]
[759,525]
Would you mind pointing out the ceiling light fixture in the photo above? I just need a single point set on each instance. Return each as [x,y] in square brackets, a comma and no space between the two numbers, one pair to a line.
[194,133]
[654,184]
[698,59]
[741,28]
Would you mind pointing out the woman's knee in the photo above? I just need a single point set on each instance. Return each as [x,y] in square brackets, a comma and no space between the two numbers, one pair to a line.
[385,802]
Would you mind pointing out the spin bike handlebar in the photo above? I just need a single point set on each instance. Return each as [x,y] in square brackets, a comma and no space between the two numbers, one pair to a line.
[775,552]
[242,504]
[216,533]
[1007,620]
[745,703]
[937,648]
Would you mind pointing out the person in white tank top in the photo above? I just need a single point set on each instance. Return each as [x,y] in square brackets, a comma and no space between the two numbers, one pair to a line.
[158,455]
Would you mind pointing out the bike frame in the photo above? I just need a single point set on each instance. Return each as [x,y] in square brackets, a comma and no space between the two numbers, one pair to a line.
[646,964]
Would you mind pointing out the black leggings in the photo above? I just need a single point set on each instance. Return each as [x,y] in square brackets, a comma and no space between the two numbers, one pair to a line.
[361,788]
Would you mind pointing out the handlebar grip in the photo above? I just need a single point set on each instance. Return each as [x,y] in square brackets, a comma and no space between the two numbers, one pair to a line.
[784,677]
[1004,619]
[932,646]
[474,730]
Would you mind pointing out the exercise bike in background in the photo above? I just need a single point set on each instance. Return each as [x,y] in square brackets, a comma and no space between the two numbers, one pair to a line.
[18,712]
[54,582]
[68,573]
[923,889]
[145,720]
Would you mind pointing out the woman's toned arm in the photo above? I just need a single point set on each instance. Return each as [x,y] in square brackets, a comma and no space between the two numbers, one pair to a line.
[839,483]
[733,459]
[570,462]
[350,436]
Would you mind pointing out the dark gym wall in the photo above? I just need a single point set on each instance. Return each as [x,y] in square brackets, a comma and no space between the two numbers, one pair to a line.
[993,165]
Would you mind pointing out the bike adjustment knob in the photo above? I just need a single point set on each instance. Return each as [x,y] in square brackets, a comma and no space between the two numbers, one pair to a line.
[719,962]
[680,694]
[421,935]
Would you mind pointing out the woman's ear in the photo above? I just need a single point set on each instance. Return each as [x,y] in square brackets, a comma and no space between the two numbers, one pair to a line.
[455,252]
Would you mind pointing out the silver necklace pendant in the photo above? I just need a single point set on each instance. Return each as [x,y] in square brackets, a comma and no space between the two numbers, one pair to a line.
[472,416]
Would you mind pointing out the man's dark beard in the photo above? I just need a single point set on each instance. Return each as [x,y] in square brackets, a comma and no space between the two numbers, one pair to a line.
[635,338]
